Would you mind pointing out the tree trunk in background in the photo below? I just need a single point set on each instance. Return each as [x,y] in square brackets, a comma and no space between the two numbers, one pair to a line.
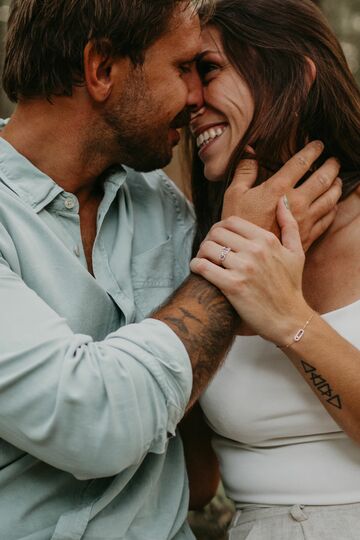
[5,105]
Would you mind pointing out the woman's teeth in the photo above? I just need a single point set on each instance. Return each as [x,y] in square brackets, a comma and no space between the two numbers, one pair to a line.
[208,136]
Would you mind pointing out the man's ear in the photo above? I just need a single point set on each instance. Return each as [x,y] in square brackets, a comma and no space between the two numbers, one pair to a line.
[311,71]
[98,67]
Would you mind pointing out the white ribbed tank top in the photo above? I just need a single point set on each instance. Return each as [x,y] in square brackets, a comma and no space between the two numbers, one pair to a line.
[275,442]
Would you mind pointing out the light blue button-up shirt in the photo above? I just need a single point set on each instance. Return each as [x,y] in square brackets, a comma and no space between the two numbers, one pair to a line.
[88,393]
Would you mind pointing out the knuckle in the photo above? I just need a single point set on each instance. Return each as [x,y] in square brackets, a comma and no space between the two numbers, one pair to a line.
[298,203]
[215,231]
[302,161]
[202,266]
[270,240]
[324,180]
[214,227]
[217,235]
[204,247]
[248,269]
[235,284]
[256,250]
[232,221]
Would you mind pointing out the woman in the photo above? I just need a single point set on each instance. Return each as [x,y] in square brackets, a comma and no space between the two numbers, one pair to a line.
[287,440]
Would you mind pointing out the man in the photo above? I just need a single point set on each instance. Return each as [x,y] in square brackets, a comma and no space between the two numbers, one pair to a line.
[90,393]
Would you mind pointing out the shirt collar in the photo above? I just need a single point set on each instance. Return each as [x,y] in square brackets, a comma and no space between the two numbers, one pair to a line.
[35,187]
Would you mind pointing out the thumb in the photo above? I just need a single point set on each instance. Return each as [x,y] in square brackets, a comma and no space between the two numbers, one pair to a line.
[290,236]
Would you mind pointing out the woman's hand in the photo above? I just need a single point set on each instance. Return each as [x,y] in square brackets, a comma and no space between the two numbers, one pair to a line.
[260,277]
[313,203]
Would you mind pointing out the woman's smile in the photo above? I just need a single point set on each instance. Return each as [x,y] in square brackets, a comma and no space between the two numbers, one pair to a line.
[228,107]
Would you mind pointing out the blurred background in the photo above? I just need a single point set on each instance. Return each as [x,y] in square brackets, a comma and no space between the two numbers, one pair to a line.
[344,17]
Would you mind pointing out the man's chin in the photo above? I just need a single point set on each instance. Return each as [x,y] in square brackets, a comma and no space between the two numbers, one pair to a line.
[155,162]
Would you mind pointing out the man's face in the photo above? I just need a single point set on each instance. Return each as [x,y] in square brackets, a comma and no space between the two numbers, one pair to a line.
[156,98]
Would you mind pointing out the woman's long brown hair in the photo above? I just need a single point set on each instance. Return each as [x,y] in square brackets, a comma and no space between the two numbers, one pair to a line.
[268,42]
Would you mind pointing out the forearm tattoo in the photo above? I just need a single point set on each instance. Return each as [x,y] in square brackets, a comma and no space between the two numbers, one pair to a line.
[205,322]
[321,385]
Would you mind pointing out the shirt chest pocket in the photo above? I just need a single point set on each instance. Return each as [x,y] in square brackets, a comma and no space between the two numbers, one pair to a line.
[153,276]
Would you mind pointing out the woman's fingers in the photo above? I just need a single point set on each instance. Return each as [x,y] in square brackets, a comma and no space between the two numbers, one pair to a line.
[290,236]
[239,226]
[212,272]
[262,280]
[222,252]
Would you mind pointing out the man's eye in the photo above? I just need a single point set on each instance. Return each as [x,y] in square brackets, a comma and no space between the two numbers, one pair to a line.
[184,68]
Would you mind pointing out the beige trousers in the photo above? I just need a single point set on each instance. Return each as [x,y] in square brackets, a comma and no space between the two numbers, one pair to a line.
[341,522]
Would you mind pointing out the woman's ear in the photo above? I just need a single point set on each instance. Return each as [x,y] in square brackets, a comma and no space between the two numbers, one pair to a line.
[311,71]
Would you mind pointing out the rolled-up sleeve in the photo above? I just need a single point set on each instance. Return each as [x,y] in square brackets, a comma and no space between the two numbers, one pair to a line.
[89,408]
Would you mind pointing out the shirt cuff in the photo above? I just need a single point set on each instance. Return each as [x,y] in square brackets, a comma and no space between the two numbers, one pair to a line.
[166,358]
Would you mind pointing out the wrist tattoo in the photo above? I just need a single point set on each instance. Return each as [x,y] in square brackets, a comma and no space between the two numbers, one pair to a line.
[205,322]
[321,385]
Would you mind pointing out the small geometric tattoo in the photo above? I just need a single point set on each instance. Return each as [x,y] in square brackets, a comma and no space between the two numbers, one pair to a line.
[322,385]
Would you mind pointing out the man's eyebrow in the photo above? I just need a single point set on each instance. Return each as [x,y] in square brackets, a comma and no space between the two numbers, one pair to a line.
[189,60]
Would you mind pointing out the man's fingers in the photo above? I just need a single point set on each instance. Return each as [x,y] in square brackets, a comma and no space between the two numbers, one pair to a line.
[320,181]
[245,175]
[322,225]
[327,201]
[296,167]
[290,236]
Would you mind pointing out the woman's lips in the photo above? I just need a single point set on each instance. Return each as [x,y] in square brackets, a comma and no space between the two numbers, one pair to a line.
[208,137]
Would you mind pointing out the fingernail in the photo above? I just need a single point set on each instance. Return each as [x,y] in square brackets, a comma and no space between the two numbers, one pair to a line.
[319,144]
[286,202]
[339,181]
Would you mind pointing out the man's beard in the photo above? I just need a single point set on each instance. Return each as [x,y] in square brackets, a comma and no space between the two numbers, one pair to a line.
[140,135]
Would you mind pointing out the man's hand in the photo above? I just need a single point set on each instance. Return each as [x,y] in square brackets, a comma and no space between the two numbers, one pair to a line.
[313,204]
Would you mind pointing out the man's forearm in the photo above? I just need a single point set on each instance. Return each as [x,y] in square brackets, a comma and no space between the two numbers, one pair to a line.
[205,322]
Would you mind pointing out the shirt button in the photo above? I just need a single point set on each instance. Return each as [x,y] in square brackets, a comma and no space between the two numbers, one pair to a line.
[77,251]
[69,203]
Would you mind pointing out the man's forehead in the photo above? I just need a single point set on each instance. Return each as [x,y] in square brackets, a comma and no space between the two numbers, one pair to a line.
[185,33]
[182,41]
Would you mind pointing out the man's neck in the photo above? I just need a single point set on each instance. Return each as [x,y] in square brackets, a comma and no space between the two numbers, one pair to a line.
[59,139]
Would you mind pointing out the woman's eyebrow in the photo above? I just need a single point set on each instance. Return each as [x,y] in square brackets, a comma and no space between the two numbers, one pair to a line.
[207,51]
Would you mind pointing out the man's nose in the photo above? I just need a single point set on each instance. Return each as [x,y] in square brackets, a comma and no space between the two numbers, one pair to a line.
[195,96]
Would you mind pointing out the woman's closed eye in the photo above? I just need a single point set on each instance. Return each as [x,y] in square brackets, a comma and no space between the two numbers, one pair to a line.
[207,70]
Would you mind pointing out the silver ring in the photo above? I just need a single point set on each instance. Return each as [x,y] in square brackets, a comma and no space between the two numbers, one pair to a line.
[224,253]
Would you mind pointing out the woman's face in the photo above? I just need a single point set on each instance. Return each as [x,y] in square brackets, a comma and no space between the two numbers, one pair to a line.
[228,107]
